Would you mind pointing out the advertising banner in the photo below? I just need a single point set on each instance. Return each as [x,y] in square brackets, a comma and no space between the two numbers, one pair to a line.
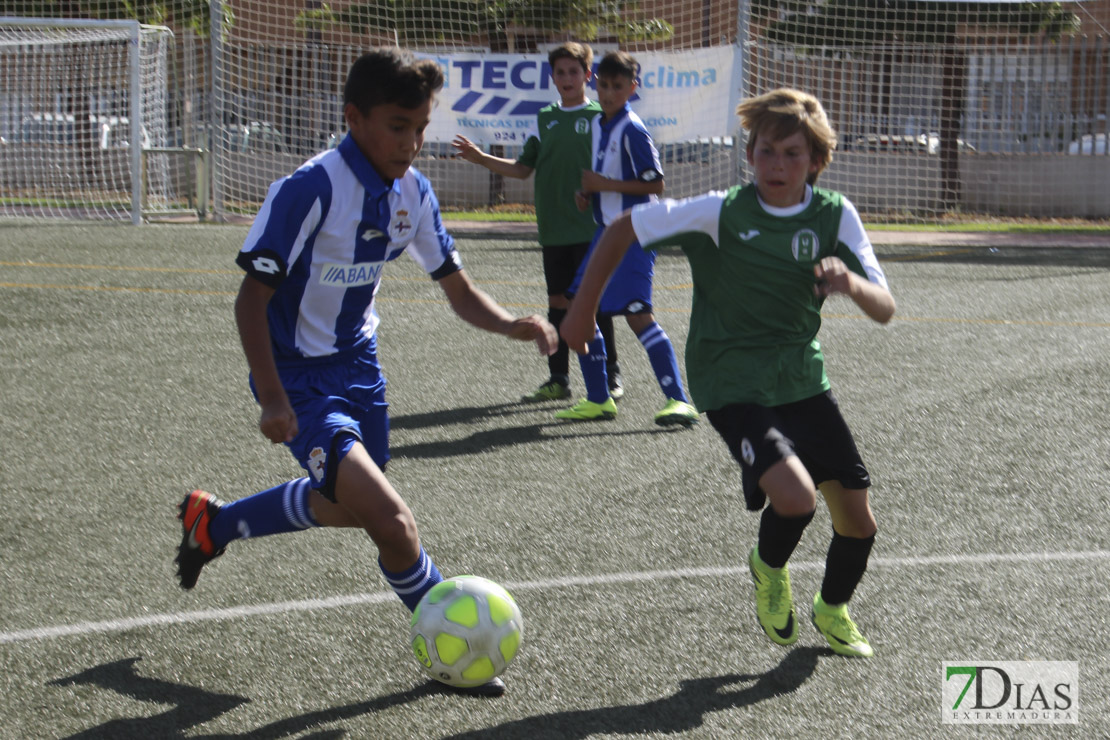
[493,98]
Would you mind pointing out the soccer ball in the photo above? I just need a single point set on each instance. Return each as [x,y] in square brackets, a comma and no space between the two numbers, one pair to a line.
[466,630]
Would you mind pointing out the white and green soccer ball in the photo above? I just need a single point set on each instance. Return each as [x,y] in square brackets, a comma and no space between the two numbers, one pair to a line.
[466,630]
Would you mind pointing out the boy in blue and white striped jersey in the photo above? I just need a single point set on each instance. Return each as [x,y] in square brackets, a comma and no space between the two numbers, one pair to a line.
[305,311]
[626,173]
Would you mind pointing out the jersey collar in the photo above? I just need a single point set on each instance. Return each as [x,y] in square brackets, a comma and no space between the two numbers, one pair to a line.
[363,170]
[573,108]
[620,115]
[789,211]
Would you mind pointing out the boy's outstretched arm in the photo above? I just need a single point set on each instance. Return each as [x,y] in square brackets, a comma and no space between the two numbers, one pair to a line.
[470,151]
[577,327]
[278,421]
[475,307]
[833,276]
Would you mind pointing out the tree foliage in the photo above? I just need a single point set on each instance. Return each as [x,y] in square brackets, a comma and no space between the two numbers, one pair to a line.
[847,23]
[409,20]
[583,19]
[442,20]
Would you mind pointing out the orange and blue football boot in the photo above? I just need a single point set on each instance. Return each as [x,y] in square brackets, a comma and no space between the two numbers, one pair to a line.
[196,549]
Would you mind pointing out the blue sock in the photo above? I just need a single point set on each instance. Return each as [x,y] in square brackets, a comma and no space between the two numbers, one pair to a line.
[594,373]
[660,353]
[282,508]
[412,583]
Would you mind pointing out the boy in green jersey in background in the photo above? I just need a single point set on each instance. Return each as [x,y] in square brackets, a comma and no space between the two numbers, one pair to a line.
[557,150]
[763,258]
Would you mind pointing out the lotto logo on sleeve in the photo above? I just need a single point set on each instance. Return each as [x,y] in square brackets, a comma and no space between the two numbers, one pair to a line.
[1010,692]
[266,265]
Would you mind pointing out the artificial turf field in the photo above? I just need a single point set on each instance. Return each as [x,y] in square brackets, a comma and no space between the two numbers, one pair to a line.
[981,410]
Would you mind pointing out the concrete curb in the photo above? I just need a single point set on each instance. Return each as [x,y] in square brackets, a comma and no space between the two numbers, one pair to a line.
[526,230]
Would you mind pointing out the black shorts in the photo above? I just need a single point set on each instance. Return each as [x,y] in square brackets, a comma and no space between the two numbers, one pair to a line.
[813,429]
[560,265]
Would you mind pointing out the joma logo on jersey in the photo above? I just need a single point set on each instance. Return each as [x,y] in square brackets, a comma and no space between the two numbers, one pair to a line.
[363,273]
[805,245]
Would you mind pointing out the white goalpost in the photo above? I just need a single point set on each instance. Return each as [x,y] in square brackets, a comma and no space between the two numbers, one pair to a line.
[80,101]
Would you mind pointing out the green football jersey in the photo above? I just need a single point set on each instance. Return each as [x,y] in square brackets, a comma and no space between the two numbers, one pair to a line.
[755,317]
[558,150]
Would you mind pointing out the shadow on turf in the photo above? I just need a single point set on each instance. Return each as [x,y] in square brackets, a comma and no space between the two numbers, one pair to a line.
[496,438]
[193,706]
[680,712]
[463,415]
[492,439]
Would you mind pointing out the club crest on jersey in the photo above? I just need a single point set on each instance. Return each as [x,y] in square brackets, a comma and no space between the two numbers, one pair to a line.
[805,245]
[400,224]
[317,463]
[348,276]
[581,126]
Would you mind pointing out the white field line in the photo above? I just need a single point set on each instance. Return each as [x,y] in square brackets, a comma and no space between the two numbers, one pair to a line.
[242,612]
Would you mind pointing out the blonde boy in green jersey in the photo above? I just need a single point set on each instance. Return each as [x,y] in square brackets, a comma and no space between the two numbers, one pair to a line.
[763,258]
[557,150]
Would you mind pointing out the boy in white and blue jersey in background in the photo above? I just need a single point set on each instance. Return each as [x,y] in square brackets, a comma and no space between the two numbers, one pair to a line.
[305,311]
[626,173]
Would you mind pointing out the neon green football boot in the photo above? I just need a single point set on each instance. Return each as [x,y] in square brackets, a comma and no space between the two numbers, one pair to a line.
[677,412]
[838,628]
[552,390]
[774,602]
[587,410]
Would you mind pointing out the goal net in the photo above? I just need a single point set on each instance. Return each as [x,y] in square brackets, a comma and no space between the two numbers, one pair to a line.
[280,69]
[945,111]
[949,110]
[80,101]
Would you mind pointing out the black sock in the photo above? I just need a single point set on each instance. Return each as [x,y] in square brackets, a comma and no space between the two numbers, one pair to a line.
[605,324]
[844,567]
[557,362]
[779,535]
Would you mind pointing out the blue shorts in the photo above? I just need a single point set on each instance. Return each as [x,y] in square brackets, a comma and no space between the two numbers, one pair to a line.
[629,290]
[336,406]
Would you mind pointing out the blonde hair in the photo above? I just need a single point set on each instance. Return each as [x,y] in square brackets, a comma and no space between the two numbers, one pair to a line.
[784,112]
